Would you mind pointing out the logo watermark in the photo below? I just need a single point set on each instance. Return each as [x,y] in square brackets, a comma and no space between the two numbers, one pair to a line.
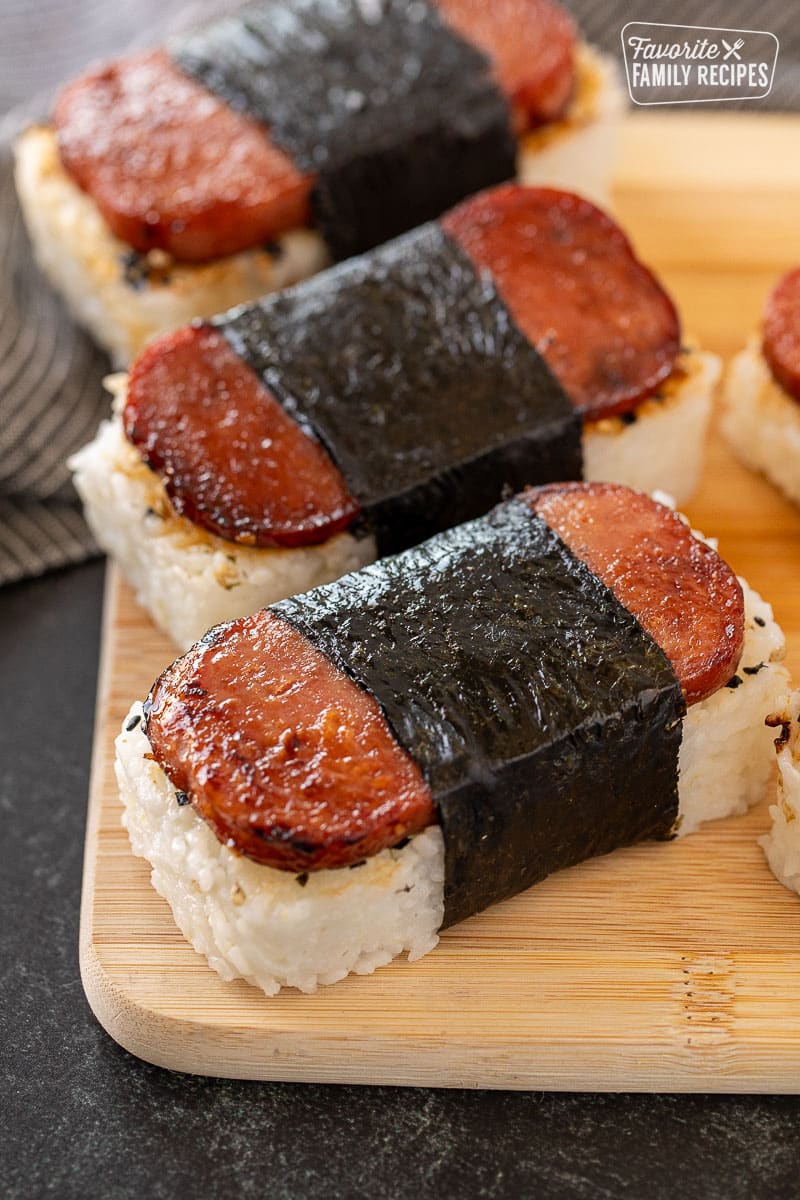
[695,64]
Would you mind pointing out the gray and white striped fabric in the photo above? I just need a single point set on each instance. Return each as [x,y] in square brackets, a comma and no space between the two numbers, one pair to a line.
[51,398]
[51,401]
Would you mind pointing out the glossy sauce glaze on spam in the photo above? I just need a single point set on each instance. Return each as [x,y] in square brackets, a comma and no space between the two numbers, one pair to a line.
[173,168]
[685,596]
[231,459]
[598,316]
[781,341]
[287,760]
[531,46]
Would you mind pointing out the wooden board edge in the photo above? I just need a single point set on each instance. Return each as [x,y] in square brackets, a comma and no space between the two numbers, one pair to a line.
[97,984]
[191,1047]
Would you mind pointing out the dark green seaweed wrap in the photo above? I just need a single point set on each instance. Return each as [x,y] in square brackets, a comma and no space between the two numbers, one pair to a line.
[408,367]
[546,721]
[395,114]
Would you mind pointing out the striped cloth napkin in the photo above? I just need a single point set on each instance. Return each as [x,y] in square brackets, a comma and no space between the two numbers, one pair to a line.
[51,401]
[51,398]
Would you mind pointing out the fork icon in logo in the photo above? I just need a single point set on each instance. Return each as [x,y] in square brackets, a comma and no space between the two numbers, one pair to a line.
[734,49]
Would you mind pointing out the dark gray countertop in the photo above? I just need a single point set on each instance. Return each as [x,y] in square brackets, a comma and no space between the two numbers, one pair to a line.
[82,1118]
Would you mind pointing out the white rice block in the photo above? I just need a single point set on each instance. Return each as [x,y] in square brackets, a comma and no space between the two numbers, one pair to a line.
[663,447]
[260,924]
[727,757]
[188,579]
[85,262]
[782,844]
[762,421]
[579,152]
[263,925]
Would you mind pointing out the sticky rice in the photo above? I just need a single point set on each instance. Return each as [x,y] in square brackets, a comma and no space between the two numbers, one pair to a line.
[661,443]
[782,844]
[578,152]
[762,421]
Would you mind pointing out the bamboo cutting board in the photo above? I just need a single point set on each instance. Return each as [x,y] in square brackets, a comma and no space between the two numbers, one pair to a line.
[662,967]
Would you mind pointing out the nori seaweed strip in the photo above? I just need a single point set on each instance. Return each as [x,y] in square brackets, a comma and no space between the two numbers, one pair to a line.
[408,367]
[396,115]
[546,721]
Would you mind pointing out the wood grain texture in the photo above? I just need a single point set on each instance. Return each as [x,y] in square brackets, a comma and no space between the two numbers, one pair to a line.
[662,967]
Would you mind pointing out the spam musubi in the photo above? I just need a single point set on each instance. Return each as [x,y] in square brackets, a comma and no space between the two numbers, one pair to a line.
[516,341]
[330,781]
[177,182]
[762,392]
[782,844]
